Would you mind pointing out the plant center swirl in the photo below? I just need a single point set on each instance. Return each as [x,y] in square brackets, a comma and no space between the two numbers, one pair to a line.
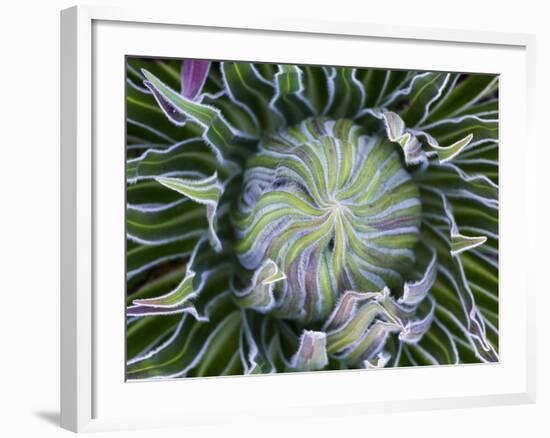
[334,208]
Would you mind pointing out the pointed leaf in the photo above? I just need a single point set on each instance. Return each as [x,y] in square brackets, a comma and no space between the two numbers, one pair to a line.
[447,153]
[415,292]
[258,295]
[205,191]
[396,132]
[193,77]
[218,133]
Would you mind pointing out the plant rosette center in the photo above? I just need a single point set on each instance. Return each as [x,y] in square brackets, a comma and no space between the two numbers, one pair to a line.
[325,208]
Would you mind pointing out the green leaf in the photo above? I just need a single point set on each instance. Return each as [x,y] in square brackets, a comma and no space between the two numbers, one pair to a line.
[396,132]
[183,351]
[422,96]
[289,100]
[315,91]
[146,334]
[258,295]
[152,225]
[464,96]
[187,158]
[142,258]
[312,352]
[447,153]
[460,243]
[224,341]
[205,191]
[456,298]
[346,93]
[453,130]
[415,292]
[250,90]
[453,182]
[142,107]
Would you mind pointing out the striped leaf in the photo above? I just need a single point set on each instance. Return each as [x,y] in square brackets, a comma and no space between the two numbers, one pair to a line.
[249,90]
[346,93]
[193,76]
[312,353]
[289,100]
[206,191]
[224,139]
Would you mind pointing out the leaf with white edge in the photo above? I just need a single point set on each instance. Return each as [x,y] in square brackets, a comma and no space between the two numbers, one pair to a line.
[462,243]
[347,305]
[174,299]
[177,300]
[312,352]
[188,158]
[441,342]
[236,115]
[289,99]
[396,132]
[348,93]
[193,76]
[483,129]
[184,350]
[146,257]
[249,90]
[377,84]
[406,89]
[258,295]
[369,344]
[220,347]
[380,361]
[205,191]
[165,281]
[415,329]
[464,96]
[152,225]
[424,93]
[345,335]
[447,153]
[460,186]
[415,292]
[315,91]
[452,289]
[459,242]
[142,107]
[145,334]
[218,133]
[255,352]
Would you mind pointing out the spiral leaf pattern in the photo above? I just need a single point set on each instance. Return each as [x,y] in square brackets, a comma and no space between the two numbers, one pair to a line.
[334,208]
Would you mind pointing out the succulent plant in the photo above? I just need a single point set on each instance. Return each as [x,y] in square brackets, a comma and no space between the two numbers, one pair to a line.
[301,218]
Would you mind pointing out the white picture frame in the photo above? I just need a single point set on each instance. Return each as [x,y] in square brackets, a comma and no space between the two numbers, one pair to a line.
[89,399]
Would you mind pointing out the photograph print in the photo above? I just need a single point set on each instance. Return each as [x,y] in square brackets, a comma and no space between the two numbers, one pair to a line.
[287,218]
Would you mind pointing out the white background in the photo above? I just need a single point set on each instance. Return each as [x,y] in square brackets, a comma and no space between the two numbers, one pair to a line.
[29,173]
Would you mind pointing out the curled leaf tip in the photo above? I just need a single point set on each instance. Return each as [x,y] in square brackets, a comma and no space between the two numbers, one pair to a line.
[396,132]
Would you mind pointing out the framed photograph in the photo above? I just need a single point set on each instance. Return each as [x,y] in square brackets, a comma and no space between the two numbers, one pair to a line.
[258,208]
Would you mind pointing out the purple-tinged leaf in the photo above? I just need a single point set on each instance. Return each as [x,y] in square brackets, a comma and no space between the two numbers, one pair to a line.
[193,77]
[312,353]
[416,328]
[258,295]
[169,109]
[415,292]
